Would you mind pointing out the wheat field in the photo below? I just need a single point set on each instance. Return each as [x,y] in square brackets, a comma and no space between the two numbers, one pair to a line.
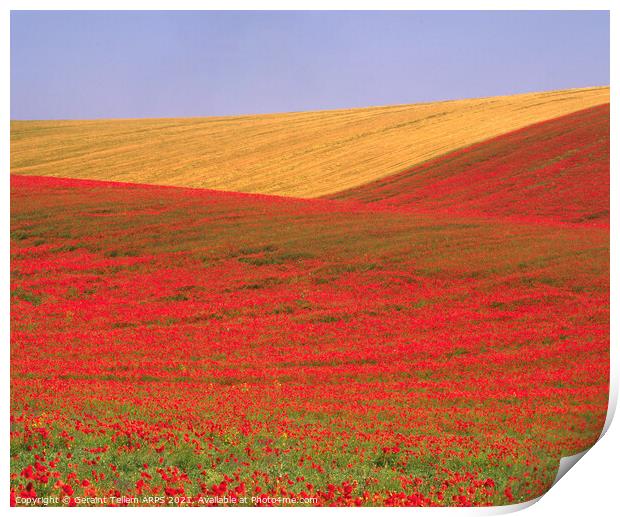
[306,154]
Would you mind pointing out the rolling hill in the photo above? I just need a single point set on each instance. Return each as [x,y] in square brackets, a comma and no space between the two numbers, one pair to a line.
[557,169]
[419,335]
[201,343]
[306,155]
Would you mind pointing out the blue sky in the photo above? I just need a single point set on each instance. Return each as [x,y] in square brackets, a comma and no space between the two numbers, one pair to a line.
[105,64]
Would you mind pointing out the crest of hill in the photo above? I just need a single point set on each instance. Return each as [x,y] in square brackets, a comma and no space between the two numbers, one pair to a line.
[307,154]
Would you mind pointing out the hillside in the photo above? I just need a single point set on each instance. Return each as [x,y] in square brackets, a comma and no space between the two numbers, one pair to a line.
[224,343]
[556,169]
[307,154]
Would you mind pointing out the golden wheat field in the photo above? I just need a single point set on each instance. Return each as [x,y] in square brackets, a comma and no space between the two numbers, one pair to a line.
[305,154]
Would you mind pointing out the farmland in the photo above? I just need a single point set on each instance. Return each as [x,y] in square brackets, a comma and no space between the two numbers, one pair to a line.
[555,171]
[305,155]
[366,350]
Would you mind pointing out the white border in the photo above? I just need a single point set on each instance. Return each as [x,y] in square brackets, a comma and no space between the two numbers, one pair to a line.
[590,488]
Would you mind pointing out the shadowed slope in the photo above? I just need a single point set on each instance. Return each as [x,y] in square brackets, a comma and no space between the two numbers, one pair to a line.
[293,154]
[557,169]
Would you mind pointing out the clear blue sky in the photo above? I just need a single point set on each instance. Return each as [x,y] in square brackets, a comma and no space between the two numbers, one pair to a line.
[161,64]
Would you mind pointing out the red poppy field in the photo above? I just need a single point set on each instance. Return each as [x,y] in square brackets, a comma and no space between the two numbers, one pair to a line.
[175,346]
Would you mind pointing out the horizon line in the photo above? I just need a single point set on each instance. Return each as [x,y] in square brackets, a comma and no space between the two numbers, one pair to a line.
[350,108]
